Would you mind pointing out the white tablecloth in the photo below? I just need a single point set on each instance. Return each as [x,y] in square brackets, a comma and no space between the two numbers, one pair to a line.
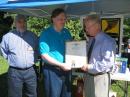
[120,76]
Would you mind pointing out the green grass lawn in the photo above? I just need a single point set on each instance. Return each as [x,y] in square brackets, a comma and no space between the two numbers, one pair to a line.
[3,82]
[116,87]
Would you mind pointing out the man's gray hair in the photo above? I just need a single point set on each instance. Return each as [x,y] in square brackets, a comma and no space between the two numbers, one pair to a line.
[93,17]
[19,16]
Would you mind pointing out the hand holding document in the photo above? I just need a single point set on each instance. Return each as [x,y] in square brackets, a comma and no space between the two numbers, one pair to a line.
[66,67]
[85,67]
[76,53]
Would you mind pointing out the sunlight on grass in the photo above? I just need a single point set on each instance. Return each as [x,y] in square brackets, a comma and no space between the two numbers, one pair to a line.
[3,65]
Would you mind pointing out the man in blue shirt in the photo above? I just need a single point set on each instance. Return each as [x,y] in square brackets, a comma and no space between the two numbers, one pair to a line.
[19,47]
[101,56]
[57,79]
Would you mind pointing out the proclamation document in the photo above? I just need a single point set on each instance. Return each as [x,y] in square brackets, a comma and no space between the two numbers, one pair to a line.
[76,53]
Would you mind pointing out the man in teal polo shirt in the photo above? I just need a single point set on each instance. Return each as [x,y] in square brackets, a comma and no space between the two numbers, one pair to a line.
[56,72]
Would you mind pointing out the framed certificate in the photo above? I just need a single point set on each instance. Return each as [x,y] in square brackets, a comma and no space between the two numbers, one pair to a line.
[76,53]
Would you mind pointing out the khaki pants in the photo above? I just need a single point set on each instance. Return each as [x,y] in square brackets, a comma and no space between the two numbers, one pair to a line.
[96,86]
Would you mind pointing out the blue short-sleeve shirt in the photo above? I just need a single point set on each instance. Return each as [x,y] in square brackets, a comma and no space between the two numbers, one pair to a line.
[53,43]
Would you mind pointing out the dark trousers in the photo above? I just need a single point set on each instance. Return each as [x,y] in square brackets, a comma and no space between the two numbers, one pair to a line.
[57,83]
[18,78]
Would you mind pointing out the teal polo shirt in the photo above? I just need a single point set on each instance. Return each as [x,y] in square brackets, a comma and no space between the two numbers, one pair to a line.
[53,43]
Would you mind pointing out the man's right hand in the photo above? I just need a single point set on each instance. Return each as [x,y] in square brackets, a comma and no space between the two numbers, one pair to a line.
[65,67]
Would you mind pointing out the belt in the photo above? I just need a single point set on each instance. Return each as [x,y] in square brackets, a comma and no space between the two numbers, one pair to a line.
[100,73]
[17,68]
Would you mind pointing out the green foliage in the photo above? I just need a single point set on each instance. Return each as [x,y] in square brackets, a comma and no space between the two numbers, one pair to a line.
[75,28]
[36,25]
[127,27]
[118,87]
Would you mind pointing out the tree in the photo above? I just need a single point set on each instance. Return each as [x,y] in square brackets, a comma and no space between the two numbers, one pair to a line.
[37,25]
[75,28]
[127,27]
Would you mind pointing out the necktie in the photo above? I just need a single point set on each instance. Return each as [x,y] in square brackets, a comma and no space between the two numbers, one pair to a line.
[90,49]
